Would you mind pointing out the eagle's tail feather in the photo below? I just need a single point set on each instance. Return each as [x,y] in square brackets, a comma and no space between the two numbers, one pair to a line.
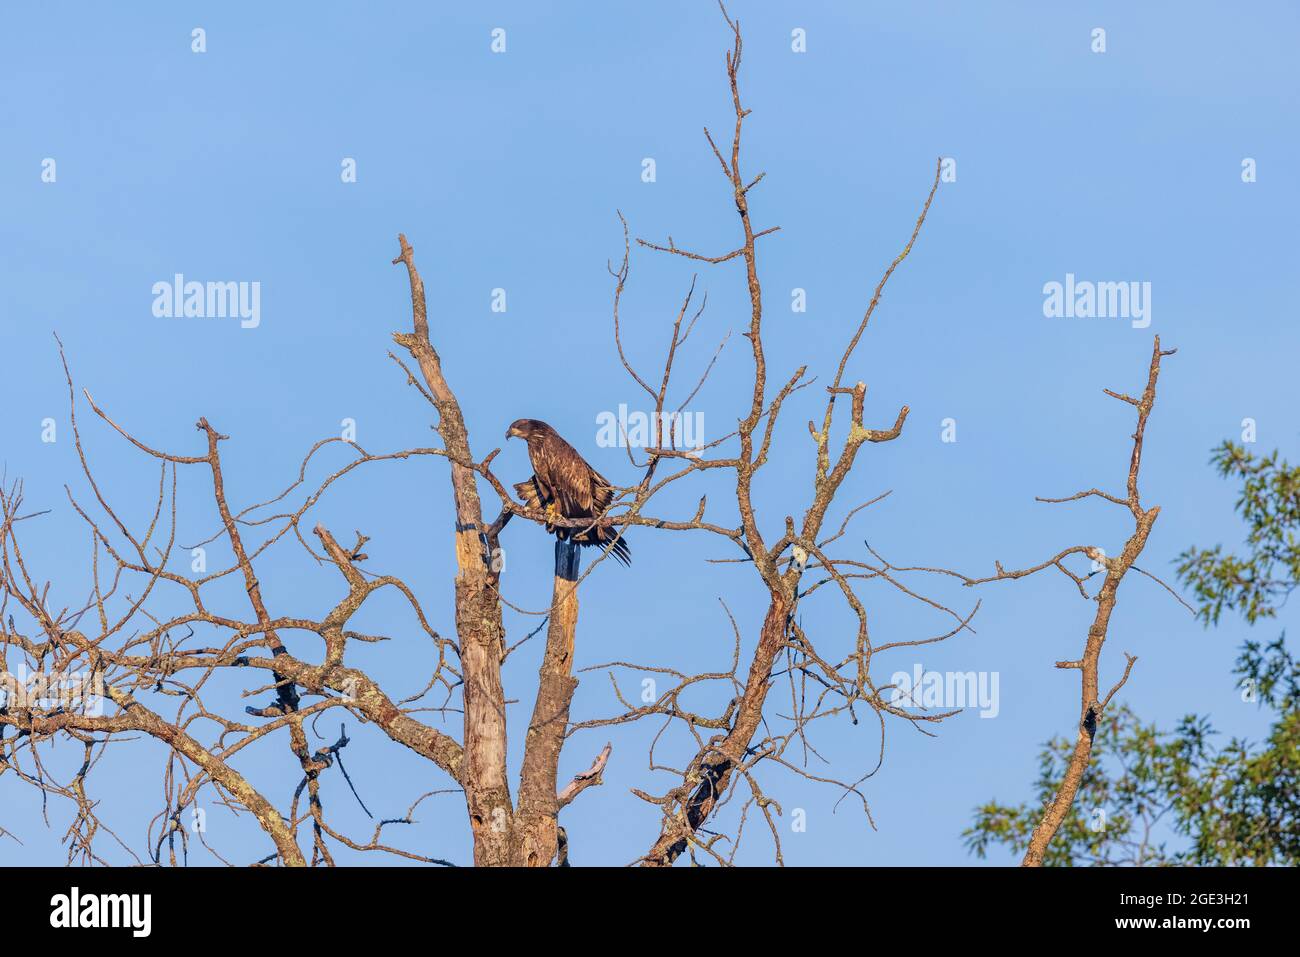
[528,494]
[601,538]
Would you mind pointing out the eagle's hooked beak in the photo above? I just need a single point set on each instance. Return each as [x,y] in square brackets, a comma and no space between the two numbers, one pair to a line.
[511,433]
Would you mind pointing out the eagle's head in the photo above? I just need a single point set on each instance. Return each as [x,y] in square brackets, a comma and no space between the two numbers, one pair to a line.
[526,428]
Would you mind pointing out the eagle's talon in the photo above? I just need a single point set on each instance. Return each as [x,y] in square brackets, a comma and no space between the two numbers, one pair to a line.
[552,513]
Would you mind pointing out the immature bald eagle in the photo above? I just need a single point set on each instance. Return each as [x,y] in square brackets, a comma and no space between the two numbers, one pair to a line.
[565,486]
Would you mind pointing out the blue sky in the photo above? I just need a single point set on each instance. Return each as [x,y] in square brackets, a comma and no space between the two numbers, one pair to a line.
[506,171]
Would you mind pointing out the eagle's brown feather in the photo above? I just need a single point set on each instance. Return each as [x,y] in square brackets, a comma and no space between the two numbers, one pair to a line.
[563,477]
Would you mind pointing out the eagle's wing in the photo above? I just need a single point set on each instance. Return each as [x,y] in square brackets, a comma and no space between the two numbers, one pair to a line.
[602,493]
[562,476]
[560,468]
[602,496]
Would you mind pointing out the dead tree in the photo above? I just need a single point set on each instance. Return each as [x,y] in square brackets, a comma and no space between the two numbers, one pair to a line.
[730,755]
[155,667]
[1092,707]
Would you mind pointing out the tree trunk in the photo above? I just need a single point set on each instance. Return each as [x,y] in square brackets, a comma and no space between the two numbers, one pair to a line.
[716,769]
[536,832]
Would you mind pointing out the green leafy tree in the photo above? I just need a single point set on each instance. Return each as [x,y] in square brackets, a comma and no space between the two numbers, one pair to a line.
[1257,584]
[1238,803]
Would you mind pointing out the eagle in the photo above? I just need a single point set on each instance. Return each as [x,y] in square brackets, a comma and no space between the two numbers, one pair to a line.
[565,486]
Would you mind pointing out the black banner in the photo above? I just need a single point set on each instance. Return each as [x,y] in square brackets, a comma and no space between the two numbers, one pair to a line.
[365,905]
